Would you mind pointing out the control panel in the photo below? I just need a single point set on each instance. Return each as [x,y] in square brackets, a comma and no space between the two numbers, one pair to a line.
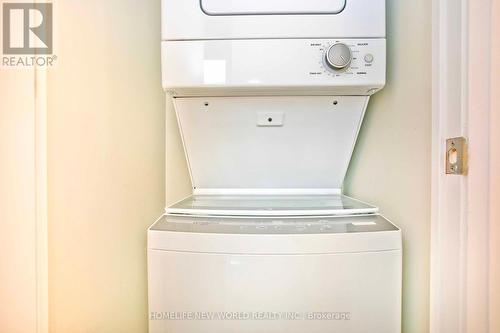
[257,67]
[228,225]
[347,58]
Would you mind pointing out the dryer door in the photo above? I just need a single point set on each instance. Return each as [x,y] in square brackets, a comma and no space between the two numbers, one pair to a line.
[271,7]
[258,19]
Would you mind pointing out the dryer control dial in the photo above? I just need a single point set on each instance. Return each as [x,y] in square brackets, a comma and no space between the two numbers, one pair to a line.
[338,56]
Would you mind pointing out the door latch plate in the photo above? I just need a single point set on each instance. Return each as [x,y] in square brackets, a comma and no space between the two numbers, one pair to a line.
[456,156]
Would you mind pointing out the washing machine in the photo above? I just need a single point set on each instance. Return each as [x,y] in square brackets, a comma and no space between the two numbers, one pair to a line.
[269,97]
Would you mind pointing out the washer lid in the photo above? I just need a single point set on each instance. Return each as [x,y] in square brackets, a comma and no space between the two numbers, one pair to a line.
[271,7]
[270,205]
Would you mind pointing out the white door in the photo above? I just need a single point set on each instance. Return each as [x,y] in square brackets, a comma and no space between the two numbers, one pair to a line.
[465,220]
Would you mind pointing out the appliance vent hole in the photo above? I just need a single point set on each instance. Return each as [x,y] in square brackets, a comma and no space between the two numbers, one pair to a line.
[335,102]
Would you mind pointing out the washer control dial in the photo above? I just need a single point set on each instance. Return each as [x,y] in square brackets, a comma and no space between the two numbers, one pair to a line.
[338,56]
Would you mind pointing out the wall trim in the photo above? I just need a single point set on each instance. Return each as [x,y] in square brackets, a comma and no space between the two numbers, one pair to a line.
[41,211]
[447,194]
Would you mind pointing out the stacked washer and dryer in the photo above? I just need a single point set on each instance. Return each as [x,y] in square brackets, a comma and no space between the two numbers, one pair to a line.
[270,96]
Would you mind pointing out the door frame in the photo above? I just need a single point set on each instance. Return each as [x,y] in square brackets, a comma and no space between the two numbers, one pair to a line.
[41,202]
[461,211]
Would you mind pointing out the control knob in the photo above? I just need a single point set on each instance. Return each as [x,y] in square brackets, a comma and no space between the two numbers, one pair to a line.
[338,56]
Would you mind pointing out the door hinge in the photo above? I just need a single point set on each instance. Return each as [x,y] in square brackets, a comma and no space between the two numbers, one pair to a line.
[456,156]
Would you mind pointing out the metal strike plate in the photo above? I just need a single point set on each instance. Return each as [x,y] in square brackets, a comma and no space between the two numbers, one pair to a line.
[456,156]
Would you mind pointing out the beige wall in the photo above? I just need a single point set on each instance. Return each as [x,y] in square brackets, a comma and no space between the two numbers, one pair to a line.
[391,164]
[17,201]
[178,182]
[106,123]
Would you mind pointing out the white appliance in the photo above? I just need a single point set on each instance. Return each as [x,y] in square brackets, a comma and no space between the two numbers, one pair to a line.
[269,97]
